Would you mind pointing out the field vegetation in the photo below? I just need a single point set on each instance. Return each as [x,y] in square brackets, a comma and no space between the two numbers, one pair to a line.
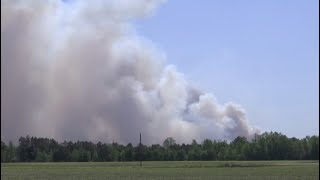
[163,170]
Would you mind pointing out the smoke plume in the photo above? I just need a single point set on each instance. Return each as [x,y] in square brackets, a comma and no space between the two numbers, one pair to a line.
[77,70]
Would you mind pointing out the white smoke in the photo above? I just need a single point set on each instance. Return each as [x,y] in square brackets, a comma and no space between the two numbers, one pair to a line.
[79,71]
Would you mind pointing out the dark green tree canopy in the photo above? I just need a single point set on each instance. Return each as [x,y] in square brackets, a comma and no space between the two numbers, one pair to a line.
[267,146]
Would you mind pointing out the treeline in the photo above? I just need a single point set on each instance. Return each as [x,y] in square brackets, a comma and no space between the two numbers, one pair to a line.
[267,146]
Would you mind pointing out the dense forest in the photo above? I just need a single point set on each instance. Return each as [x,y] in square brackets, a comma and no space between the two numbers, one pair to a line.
[267,146]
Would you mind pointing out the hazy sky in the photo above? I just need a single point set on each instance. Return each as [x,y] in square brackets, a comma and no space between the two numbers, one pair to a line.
[261,54]
[111,69]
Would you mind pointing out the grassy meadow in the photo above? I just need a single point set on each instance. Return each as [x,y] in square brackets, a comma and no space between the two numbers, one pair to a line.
[164,170]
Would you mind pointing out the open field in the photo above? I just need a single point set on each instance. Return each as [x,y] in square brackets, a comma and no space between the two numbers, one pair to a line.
[164,170]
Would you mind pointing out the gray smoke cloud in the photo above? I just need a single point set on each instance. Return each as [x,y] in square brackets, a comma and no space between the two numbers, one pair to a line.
[79,71]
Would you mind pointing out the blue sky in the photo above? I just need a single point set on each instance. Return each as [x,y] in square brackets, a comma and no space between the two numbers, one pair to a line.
[263,55]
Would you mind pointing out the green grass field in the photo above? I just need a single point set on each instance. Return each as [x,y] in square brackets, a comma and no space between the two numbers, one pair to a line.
[164,170]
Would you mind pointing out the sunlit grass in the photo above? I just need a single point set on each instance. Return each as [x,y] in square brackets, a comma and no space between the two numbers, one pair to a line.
[164,170]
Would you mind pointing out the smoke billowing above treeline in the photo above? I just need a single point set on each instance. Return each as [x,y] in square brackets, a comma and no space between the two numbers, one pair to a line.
[79,71]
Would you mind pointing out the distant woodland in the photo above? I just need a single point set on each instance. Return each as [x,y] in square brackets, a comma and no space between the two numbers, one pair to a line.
[267,146]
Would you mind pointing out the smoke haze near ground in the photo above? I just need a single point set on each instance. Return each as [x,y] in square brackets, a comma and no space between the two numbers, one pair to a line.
[79,71]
